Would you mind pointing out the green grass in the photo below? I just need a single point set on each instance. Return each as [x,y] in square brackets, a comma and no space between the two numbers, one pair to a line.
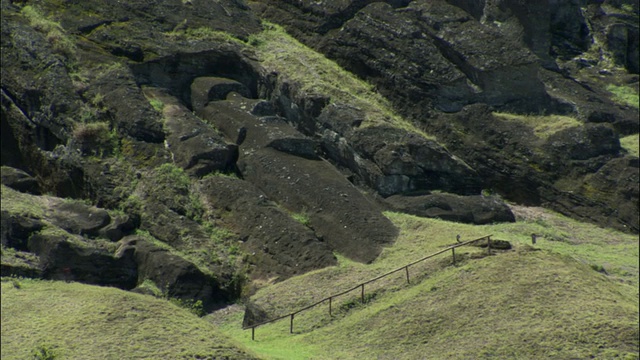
[54,33]
[78,321]
[625,95]
[204,33]
[539,301]
[543,126]
[302,218]
[631,143]
[316,74]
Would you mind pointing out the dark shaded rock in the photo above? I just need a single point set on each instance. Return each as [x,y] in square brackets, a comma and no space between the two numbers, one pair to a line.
[78,218]
[468,209]
[20,269]
[495,244]
[16,230]
[119,227]
[130,110]
[61,259]
[622,42]
[347,220]
[206,89]
[280,247]
[176,72]
[584,142]
[195,146]
[253,314]
[616,184]
[19,180]
[409,162]
[270,131]
[175,276]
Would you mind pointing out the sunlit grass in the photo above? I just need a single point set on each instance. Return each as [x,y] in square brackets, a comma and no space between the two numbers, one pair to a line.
[553,294]
[543,126]
[81,321]
[631,143]
[624,95]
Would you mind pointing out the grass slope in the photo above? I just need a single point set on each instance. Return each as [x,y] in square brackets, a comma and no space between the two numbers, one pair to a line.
[78,321]
[553,300]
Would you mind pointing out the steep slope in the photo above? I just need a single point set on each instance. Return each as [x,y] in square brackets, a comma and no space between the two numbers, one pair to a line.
[562,58]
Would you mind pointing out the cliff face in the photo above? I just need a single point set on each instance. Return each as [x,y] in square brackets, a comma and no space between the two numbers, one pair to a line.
[206,140]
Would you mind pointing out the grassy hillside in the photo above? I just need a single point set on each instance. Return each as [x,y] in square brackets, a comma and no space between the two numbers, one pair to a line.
[77,321]
[572,295]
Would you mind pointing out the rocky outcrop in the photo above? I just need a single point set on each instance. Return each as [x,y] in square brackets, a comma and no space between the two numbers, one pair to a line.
[19,180]
[467,209]
[283,163]
[194,146]
[534,170]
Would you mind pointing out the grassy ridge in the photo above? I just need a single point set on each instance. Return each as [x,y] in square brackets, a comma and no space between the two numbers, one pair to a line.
[278,51]
[551,301]
[78,321]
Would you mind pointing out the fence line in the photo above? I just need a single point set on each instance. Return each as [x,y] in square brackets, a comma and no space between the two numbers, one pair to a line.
[361,285]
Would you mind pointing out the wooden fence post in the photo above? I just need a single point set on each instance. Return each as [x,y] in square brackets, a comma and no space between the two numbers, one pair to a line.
[253,333]
[407,271]
[453,252]
[291,326]
[329,306]
[362,295]
[489,244]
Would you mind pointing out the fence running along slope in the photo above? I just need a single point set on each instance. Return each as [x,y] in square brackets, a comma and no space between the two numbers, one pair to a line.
[329,299]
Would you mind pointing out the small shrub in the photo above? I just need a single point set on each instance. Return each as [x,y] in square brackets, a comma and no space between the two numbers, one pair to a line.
[599,268]
[302,218]
[148,284]
[195,307]
[157,104]
[95,138]
[16,284]
[43,352]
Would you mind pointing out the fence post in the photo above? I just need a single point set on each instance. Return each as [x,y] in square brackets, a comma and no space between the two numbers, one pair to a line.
[406,268]
[329,306]
[253,333]
[291,325]
[362,295]
[489,243]
[453,252]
